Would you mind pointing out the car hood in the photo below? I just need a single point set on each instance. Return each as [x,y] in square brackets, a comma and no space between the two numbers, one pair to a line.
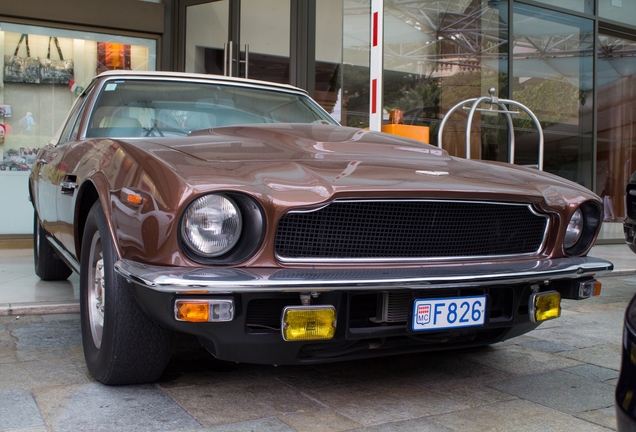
[316,161]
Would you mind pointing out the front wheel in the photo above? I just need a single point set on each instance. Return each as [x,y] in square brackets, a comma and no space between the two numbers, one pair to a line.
[122,345]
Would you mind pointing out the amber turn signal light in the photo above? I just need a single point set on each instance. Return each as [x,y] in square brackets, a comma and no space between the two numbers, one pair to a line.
[216,310]
[589,288]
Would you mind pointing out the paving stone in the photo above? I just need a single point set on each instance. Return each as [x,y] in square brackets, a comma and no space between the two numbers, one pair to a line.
[21,319]
[519,340]
[518,360]
[96,407]
[352,372]
[516,415]
[317,421]
[54,400]
[608,356]
[5,339]
[371,404]
[565,335]
[429,370]
[603,417]
[50,334]
[32,374]
[547,346]
[594,372]
[42,353]
[271,424]
[562,391]
[33,429]
[18,410]
[607,305]
[474,395]
[61,317]
[7,355]
[305,379]
[423,424]
[239,401]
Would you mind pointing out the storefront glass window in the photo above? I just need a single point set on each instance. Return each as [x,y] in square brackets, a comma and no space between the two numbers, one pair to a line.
[44,70]
[356,23]
[584,6]
[622,11]
[207,37]
[616,119]
[261,51]
[328,85]
[438,53]
[552,75]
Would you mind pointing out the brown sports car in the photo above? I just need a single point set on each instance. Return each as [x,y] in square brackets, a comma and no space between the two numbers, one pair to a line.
[241,212]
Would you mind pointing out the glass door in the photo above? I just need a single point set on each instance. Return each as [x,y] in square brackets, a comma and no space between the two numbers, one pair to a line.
[241,38]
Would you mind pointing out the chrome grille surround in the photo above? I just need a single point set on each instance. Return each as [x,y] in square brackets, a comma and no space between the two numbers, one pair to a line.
[370,231]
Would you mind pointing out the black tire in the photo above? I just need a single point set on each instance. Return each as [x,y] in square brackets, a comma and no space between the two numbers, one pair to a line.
[122,345]
[48,265]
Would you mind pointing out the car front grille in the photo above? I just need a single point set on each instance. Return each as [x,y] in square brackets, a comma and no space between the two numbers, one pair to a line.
[409,230]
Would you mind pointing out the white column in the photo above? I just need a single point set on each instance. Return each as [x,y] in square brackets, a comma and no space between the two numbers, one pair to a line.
[376,64]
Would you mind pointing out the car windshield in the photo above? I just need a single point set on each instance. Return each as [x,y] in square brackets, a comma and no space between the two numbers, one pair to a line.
[138,108]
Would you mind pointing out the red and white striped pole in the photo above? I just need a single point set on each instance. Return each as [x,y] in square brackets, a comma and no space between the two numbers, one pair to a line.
[376,64]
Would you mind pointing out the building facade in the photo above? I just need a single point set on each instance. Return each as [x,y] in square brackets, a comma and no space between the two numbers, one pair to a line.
[573,65]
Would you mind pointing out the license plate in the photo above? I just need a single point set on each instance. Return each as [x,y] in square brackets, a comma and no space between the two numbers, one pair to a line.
[446,313]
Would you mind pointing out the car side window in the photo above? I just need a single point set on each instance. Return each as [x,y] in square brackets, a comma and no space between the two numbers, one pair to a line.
[69,132]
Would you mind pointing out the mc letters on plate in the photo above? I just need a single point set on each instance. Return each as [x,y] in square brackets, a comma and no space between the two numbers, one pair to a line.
[447,313]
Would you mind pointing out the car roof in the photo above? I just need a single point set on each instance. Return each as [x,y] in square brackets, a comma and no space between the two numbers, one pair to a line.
[198,76]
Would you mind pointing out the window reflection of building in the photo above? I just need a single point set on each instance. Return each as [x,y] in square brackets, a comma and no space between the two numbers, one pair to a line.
[616,107]
[552,69]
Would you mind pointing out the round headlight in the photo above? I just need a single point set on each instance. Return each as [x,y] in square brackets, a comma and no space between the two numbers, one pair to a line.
[574,230]
[211,225]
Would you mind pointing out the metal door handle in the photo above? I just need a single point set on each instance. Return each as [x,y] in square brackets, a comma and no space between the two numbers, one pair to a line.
[247,61]
[225,59]
[231,59]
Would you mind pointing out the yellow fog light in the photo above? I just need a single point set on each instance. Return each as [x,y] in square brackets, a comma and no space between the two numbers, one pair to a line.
[544,306]
[204,310]
[308,322]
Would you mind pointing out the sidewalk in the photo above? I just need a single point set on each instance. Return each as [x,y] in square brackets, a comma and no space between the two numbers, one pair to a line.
[23,293]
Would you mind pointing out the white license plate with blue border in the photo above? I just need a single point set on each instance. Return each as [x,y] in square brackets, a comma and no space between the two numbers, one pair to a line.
[448,313]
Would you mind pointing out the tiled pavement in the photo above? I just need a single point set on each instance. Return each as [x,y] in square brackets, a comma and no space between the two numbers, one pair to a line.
[558,377]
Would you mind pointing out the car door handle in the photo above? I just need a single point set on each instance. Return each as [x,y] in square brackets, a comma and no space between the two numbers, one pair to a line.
[68,187]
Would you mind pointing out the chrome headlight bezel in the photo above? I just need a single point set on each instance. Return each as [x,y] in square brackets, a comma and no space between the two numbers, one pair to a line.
[242,242]
[583,225]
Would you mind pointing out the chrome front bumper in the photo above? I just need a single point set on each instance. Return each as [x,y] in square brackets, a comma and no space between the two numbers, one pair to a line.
[180,280]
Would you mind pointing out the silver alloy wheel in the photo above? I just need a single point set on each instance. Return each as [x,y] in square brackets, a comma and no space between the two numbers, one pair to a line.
[96,294]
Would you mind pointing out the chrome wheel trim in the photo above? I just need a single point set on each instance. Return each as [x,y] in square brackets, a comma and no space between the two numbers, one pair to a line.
[37,237]
[96,290]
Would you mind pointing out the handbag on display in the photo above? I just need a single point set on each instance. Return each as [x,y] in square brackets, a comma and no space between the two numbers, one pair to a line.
[22,69]
[55,71]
